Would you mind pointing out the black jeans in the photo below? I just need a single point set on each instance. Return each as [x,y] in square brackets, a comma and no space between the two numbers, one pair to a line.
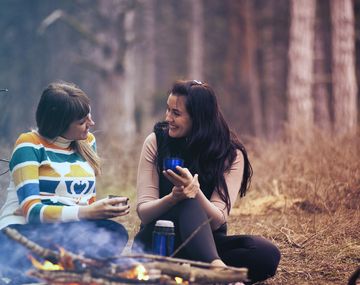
[259,255]
[100,238]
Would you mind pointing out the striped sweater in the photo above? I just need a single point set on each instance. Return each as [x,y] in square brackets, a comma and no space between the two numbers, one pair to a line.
[50,181]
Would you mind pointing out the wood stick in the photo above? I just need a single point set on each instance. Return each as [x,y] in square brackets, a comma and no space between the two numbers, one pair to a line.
[66,277]
[45,253]
[198,275]
[190,237]
[183,261]
[48,254]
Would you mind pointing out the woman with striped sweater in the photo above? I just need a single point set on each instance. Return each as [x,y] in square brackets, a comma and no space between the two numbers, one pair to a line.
[51,196]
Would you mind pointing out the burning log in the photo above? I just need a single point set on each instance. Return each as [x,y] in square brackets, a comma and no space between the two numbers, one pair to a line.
[65,277]
[40,251]
[76,269]
[66,258]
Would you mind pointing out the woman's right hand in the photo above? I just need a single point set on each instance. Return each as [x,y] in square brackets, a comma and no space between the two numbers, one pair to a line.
[190,191]
[105,209]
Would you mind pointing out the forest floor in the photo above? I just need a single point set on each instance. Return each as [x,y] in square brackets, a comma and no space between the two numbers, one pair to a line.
[305,197]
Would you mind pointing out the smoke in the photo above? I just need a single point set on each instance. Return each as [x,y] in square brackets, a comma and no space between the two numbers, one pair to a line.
[101,239]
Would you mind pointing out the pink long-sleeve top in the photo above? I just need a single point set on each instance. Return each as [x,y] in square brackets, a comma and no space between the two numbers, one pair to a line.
[150,206]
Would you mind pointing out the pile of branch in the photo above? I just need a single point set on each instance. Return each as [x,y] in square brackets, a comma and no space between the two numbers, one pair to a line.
[159,269]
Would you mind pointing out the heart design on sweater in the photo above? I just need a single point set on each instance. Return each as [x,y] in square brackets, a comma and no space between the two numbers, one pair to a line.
[79,187]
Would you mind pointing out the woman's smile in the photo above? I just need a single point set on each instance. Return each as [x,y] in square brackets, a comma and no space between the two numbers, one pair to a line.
[180,122]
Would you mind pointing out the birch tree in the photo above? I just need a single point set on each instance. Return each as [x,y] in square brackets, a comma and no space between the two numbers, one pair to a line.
[196,40]
[300,103]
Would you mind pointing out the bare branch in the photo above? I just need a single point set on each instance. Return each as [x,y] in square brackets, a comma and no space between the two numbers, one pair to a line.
[73,23]
[191,236]
[93,66]
[52,18]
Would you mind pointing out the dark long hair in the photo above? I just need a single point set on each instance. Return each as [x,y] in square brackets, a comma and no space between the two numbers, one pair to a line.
[211,144]
[62,103]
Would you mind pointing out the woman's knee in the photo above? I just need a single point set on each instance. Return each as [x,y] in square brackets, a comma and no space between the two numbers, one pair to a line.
[259,255]
[268,256]
[274,256]
[190,207]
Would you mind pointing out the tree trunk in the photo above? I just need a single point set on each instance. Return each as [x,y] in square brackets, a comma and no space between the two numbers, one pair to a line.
[300,103]
[232,52]
[196,41]
[252,72]
[343,66]
[237,76]
[127,122]
[146,98]
[273,36]
[321,88]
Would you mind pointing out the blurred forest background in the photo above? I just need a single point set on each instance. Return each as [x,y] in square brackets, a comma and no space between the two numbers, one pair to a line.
[286,73]
[271,61]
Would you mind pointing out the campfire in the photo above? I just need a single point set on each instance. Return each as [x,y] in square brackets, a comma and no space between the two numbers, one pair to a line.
[64,267]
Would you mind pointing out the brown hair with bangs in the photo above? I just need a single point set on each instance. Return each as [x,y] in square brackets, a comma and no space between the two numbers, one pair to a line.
[62,103]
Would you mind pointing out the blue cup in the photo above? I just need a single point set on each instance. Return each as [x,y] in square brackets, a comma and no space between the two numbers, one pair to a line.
[172,162]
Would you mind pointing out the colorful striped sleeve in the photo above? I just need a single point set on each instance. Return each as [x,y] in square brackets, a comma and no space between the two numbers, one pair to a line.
[27,157]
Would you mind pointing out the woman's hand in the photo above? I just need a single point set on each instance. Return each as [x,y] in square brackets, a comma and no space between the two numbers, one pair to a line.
[180,191]
[105,209]
[193,188]
[182,178]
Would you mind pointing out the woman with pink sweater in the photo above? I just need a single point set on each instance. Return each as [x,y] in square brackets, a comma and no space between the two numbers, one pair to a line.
[216,168]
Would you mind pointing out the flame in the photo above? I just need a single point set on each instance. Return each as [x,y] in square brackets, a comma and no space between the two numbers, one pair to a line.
[138,272]
[178,280]
[47,265]
[66,260]
[141,273]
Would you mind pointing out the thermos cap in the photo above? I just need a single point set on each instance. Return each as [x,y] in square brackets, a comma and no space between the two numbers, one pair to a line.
[164,223]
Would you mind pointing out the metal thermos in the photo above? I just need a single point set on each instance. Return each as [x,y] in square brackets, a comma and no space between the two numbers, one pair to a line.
[163,238]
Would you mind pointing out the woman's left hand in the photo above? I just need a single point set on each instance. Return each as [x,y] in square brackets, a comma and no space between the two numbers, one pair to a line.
[105,209]
[182,178]
[189,184]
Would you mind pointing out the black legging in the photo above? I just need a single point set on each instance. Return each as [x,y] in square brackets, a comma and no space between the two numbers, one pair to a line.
[259,255]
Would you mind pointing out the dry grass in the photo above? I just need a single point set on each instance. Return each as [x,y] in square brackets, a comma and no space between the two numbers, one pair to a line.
[305,197]
[119,175]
